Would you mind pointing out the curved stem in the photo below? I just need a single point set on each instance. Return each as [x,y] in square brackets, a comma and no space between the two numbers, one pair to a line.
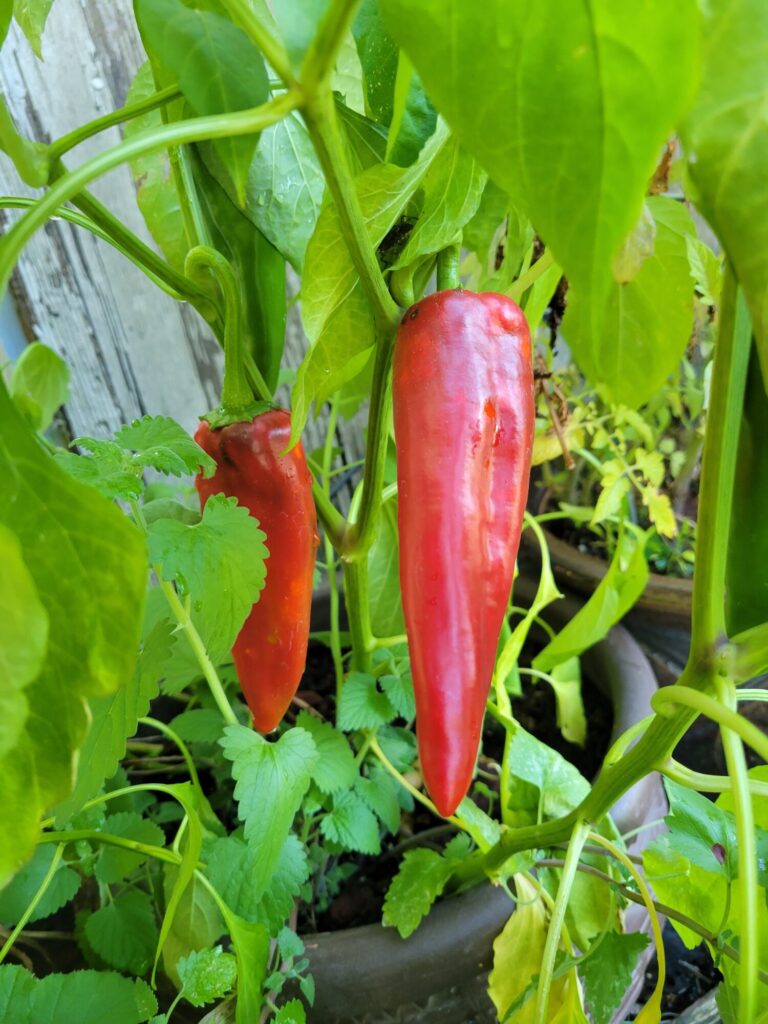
[747,860]
[725,716]
[702,783]
[448,262]
[415,793]
[146,849]
[321,55]
[198,129]
[554,932]
[66,142]
[174,737]
[729,374]
[41,890]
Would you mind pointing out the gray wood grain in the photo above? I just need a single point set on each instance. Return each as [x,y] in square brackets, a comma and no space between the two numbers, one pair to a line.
[131,349]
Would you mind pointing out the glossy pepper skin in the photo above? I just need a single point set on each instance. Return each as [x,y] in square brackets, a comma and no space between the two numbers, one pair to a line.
[464,417]
[271,649]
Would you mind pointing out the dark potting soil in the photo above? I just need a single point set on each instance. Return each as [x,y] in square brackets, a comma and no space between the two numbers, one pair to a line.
[691,973]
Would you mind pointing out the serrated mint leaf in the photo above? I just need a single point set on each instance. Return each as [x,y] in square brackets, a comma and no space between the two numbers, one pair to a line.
[362,704]
[124,932]
[399,746]
[336,768]
[15,898]
[379,792]
[413,890]
[290,945]
[206,974]
[271,779]
[116,863]
[607,972]
[399,689]
[352,824]
[220,562]
[41,377]
[114,719]
[80,996]
[200,725]
[112,471]
[160,442]
[231,868]
[292,1012]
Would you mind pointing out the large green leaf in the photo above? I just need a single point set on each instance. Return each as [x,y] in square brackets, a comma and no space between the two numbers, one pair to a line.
[218,69]
[726,141]
[566,105]
[646,322]
[88,565]
[384,575]
[40,384]
[31,16]
[82,996]
[378,57]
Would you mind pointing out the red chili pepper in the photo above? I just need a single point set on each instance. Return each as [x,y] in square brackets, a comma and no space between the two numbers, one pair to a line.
[271,649]
[464,415]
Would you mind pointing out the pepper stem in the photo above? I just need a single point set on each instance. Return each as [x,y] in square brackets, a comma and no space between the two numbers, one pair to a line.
[236,394]
[448,261]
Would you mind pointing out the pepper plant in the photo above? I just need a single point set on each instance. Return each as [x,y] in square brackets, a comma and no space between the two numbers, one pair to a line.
[368,145]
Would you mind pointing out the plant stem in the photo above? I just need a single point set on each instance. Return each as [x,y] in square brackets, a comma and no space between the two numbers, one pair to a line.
[32,905]
[198,129]
[148,850]
[321,55]
[750,656]
[66,142]
[702,783]
[174,737]
[554,932]
[725,716]
[747,858]
[729,374]
[448,261]
[242,13]
[330,558]
[415,793]
[358,612]
[519,287]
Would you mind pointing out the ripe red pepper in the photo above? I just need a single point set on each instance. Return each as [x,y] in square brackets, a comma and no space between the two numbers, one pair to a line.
[271,649]
[464,416]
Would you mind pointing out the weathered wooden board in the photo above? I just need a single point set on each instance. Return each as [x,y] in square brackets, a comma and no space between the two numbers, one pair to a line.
[131,349]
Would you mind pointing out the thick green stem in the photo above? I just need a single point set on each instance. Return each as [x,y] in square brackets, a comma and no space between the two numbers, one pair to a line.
[747,859]
[703,783]
[448,262]
[729,374]
[242,13]
[145,849]
[198,129]
[358,612]
[705,705]
[321,55]
[66,142]
[554,933]
[750,652]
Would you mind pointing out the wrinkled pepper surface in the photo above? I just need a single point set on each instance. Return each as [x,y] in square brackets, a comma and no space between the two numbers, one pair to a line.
[271,649]
[464,418]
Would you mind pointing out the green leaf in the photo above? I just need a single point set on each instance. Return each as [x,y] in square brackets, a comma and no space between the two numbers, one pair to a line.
[155,187]
[31,16]
[367,141]
[694,892]
[271,780]
[352,824]
[607,972]
[645,323]
[232,865]
[124,932]
[292,1012]
[481,229]
[201,725]
[23,638]
[413,118]
[618,590]
[161,443]
[206,974]
[335,312]
[197,922]
[399,689]
[298,21]
[284,188]
[543,784]
[485,831]
[565,680]
[399,746]
[336,768]
[413,890]
[380,793]
[378,57]
[701,832]
[114,719]
[81,996]
[453,187]
[544,104]
[41,379]
[17,896]
[706,270]
[362,704]
[384,575]
[88,561]
[218,69]
[219,562]
[112,471]
[252,952]
[727,146]
[116,863]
